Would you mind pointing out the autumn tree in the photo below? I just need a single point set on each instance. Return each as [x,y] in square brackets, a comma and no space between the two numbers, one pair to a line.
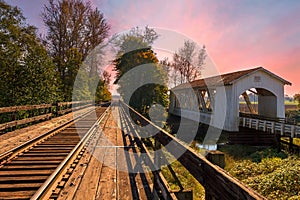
[135,51]
[74,29]
[27,74]
[187,63]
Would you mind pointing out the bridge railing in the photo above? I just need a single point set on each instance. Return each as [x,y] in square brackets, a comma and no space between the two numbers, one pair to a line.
[19,116]
[277,127]
[217,182]
[66,107]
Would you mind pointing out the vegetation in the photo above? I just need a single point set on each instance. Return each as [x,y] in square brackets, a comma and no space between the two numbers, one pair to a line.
[297,99]
[182,180]
[74,29]
[27,73]
[273,174]
[135,51]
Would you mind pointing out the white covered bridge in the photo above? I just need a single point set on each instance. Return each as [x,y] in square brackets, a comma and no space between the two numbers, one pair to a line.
[216,100]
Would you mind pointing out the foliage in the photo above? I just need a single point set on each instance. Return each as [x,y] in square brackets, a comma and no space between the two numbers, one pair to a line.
[27,74]
[81,90]
[273,177]
[273,174]
[102,93]
[293,115]
[74,29]
[135,51]
[297,98]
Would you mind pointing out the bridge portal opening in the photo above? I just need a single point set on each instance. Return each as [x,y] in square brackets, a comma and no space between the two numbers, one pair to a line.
[258,101]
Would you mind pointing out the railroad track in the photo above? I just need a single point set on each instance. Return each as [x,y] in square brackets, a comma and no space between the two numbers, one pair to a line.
[28,171]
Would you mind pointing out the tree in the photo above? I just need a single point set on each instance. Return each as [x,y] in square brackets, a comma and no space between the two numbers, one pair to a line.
[102,92]
[297,98]
[135,51]
[27,74]
[73,24]
[187,63]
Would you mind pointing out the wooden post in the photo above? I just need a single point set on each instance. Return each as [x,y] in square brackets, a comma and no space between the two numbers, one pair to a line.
[291,144]
[216,157]
[278,142]
[157,161]
[157,156]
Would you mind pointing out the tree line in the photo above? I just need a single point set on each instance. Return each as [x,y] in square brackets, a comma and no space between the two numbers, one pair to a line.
[42,69]
[39,69]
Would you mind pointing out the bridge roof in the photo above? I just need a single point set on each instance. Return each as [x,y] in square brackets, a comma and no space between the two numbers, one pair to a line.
[227,79]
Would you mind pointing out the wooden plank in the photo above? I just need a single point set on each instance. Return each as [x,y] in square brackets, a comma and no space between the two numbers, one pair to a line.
[217,182]
[73,102]
[107,186]
[90,179]
[20,186]
[16,195]
[123,176]
[24,121]
[61,112]
[69,191]
[26,107]
[145,180]
[27,173]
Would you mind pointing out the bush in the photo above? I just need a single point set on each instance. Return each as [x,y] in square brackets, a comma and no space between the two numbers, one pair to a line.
[273,174]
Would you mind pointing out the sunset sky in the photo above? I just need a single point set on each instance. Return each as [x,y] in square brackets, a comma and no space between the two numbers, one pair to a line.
[238,34]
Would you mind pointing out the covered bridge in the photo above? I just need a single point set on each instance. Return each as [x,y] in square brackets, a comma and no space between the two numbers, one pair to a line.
[216,100]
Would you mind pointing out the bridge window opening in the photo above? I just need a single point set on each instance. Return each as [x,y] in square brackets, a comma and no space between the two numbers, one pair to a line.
[258,101]
[204,100]
[248,102]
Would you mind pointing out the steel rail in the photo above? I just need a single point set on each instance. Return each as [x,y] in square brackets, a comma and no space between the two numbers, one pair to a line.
[44,189]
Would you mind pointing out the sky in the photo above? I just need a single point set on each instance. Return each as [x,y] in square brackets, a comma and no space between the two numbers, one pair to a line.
[238,34]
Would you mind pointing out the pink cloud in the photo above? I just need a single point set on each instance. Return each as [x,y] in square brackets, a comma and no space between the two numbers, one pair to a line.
[237,35]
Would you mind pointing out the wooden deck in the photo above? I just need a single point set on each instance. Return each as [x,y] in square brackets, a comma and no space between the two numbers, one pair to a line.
[106,171]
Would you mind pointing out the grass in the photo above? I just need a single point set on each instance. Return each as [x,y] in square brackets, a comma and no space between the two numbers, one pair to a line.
[293,103]
[186,180]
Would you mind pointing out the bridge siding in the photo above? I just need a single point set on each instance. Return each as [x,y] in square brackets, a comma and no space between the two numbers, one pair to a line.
[227,100]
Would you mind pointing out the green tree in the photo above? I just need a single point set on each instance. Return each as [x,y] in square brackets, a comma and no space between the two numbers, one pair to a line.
[73,24]
[27,74]
[297,98]
[102,92]
[135,51]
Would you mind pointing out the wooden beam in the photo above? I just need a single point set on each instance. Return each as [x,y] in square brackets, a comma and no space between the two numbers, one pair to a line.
[203,104]
[24,121]
[249,105]
[211,100]
[26,107]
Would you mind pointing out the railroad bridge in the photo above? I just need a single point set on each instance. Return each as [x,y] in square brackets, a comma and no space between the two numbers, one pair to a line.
[216,100]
